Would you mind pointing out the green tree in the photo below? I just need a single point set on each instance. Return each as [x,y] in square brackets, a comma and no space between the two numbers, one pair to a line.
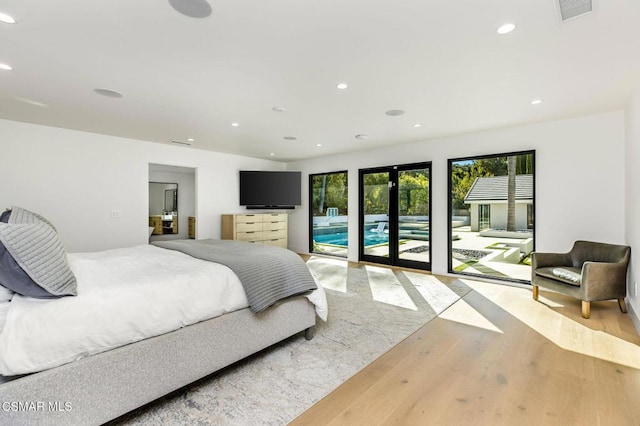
[464,174]
[376,193]
[413,195]
[329,190]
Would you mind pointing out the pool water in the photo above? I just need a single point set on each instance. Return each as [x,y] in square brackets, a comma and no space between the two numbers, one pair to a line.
[340,238]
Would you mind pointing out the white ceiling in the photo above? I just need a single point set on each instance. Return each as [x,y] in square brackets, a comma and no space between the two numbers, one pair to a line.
[440,61]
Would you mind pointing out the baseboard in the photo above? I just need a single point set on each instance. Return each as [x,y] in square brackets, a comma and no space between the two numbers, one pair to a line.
[634,316]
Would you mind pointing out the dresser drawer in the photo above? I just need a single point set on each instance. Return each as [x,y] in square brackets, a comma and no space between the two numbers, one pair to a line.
[249,236]
[249,218]
[275,217]
[248,226]
[269,225]
[282,242]
[274,234]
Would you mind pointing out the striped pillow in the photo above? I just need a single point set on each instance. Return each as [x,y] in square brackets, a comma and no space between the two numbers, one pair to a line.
[32,242]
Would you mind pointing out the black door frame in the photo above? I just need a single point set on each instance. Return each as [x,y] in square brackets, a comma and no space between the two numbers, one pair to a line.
[393,259]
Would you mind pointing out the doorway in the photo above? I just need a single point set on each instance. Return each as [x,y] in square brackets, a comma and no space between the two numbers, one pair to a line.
[395,225]
[172,202]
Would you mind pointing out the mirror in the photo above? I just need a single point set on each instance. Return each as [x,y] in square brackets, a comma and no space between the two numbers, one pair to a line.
[163,207]
[171,200]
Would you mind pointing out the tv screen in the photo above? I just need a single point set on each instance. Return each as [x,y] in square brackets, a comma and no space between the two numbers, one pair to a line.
[270,189]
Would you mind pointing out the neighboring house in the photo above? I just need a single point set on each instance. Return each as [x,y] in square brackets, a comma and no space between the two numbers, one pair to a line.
[487,199]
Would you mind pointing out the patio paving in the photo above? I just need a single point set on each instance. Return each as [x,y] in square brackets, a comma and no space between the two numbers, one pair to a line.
[466,240]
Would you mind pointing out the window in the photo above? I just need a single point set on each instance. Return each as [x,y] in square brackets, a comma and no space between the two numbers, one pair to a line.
[491,212]
[328,213]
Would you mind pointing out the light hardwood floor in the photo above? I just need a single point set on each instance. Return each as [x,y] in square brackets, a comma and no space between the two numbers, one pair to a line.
[497,357]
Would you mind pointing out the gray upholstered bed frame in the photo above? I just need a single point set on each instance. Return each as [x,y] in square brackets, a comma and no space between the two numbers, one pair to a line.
[107,385]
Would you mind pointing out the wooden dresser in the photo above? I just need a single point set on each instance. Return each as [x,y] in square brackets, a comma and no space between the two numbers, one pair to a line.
[192,227]
[164,224]
[262,228]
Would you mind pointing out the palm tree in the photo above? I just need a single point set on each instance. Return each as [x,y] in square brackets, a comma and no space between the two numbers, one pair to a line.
[323,193]
[511,193]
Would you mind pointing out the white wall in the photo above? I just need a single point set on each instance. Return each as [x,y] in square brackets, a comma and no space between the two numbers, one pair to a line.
[498,215]
[76,179]
[632,208]
[579,180]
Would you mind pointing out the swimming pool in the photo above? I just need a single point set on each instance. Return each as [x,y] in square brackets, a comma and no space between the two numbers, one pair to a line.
[340,238]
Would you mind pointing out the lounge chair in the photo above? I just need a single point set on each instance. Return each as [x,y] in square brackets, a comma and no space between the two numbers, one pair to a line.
[380,228]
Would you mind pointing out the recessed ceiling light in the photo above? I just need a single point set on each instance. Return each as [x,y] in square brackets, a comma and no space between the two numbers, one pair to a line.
[5,67]
[278,109]
[318,145]
[6,18]
[234,124]
[192,8]
[108,93]
[290,138]
[394,112]
[272,154]
[342,86]
[190,139]
[362,137]
[417,125]
[506,28]
[536,101]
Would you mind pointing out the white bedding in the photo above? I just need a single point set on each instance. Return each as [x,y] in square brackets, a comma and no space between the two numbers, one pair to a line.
[124,295]
[4,308]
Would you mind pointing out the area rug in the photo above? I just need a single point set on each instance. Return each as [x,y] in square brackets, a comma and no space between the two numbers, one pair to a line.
[371,309]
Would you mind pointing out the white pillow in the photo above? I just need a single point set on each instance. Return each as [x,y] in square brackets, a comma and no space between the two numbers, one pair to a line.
[567,275]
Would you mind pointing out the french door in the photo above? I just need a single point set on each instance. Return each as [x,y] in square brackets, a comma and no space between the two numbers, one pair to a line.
[395,225]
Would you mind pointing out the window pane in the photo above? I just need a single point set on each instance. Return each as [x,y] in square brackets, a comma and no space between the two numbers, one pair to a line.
[492,220]
[413,214]
[376,214]
[329,200]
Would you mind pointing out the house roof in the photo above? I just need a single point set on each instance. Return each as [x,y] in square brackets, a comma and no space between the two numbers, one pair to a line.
[494,188]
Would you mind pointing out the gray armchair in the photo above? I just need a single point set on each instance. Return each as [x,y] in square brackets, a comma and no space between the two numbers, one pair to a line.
[590,272]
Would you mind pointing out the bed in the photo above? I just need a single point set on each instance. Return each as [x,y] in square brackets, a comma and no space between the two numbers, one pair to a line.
[178,318]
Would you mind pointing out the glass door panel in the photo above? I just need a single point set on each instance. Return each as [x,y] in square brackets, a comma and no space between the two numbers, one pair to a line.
[375,207]
[413,214]
[328,213]
[484,216]
[394,219]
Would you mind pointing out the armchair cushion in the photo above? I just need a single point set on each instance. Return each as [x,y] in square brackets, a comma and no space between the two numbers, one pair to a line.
[568,275]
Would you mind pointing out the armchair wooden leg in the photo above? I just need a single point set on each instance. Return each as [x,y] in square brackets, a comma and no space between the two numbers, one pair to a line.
[622,304]
[586,309]
[536,292]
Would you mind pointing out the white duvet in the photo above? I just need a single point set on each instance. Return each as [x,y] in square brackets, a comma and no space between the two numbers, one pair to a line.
[124,295]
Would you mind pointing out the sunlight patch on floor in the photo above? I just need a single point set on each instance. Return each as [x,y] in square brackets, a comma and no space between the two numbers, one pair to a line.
[386,288]
[558,328]
[464,313]
[331,272]
[436,293]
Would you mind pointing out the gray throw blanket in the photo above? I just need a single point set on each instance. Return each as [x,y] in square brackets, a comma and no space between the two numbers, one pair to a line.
[267,273]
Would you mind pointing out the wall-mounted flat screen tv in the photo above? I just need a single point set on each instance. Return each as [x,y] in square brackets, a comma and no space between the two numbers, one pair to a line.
[270,189]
